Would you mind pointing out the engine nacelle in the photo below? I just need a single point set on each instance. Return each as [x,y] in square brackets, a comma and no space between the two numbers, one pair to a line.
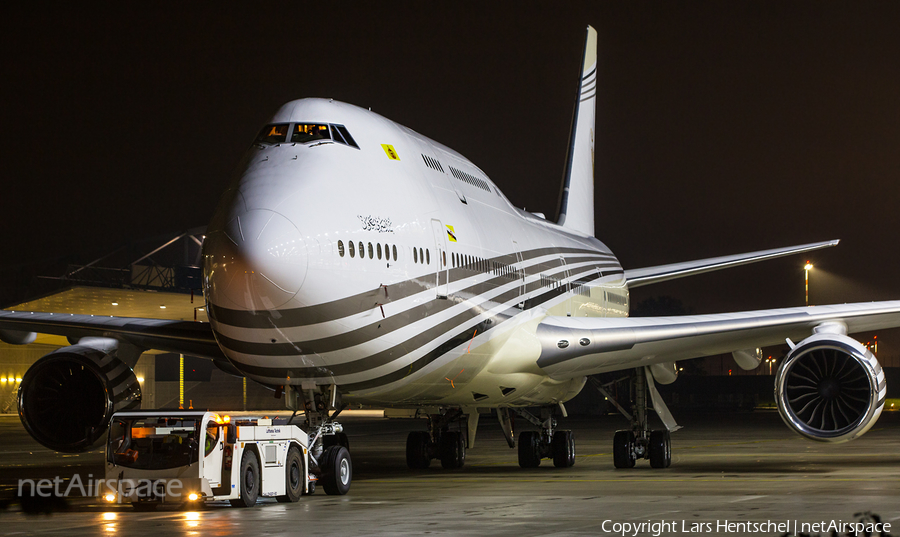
[830,388]
[67,398]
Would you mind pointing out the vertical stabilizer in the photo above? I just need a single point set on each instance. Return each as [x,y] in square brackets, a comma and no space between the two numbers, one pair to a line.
[576,200]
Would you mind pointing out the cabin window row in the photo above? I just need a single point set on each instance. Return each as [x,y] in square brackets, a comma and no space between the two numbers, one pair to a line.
[433,163]
[581,289]
[472,180]
[374,251]
[551,282]
[377,251]
[478,264]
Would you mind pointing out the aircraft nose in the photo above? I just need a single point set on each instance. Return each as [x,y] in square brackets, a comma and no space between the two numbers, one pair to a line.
[257,261]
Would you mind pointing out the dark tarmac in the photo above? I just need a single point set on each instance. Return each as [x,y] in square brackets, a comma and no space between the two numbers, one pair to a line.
[740,467]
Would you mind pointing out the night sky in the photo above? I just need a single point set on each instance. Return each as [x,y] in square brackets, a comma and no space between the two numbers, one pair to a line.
[722,127]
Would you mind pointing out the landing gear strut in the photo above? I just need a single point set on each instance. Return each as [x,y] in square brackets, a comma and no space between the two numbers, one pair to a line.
[329,447]
[547,443]
[438,442]
[640,442]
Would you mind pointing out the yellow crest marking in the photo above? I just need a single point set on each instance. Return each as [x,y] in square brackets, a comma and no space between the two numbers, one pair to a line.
[451,234]
[391,152]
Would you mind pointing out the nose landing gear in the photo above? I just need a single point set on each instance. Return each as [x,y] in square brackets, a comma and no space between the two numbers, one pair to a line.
[329,447]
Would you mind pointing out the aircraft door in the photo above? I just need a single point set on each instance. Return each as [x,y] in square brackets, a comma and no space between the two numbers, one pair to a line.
[520,275]
[213,445]
[444,169]
[565,277]
[441,271]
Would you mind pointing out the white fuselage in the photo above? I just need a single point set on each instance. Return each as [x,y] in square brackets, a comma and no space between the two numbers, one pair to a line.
[292,301]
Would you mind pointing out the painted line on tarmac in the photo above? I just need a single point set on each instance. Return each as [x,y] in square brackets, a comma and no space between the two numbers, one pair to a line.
[444,478]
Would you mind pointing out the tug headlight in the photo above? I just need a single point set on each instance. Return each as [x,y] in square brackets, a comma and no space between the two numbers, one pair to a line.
[193,496]
[110,498]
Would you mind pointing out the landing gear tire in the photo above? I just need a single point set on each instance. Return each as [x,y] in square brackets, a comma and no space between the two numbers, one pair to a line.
[453,450]
[249,478]
[530,449]
[295,474]
[563,448]
[417,457]
[660,449]
[623,449]
[337,470]
[338,439]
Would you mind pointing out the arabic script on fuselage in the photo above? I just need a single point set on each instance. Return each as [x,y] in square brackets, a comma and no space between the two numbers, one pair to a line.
[376,223]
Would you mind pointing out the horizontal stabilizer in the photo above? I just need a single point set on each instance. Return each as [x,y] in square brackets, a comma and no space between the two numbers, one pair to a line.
[661,273]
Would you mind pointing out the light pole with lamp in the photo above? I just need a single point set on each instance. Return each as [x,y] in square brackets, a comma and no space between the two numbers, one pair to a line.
[806,269]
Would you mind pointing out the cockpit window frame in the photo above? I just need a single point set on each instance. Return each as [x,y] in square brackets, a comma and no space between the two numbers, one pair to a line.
[335,133]
[260,141]
[322,132]
[345,134]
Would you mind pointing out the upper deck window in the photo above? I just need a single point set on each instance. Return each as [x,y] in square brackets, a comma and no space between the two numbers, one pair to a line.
[273,134]
[309,132]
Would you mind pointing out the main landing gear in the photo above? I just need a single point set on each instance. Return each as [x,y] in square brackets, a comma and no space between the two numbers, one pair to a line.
[640,442]
[548,443]
[438,442]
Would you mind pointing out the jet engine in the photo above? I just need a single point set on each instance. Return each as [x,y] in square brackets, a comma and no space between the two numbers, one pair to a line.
[67,398]
[830,388]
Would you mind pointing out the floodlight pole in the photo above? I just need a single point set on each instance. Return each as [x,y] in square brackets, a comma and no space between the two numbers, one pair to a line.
[806,280]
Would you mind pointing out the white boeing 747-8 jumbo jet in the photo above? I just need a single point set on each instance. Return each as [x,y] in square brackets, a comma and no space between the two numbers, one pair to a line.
[355,260]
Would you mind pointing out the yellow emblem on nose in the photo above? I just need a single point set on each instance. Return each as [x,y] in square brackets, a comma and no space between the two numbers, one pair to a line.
[391,152]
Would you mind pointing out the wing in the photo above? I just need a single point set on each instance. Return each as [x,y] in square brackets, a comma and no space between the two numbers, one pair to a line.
[184,337]
[578,346]
[661,273]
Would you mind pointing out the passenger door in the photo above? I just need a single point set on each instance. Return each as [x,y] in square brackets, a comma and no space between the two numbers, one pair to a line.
[441,271]
[564,275]
[520,275]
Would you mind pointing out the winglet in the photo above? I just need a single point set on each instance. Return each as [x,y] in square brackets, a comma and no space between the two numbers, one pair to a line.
[576,197]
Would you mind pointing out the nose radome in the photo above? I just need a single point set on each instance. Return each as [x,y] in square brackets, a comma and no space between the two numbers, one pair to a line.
[259,261]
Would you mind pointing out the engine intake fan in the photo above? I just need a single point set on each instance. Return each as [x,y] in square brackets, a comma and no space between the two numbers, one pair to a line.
[830,388]
[67,398]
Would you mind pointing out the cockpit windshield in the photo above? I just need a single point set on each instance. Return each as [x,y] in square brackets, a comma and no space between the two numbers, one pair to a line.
[273,134]
[309,132]
[154,443]
[304,133]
